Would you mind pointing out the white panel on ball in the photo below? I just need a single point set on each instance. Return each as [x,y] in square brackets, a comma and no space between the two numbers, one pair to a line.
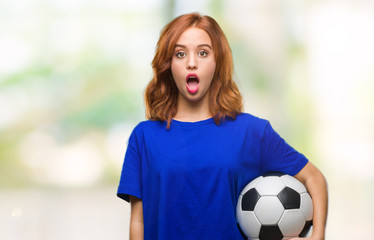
[270,186]
[268,216]
[252,226]
[293,183]
[306,206]
[238,207]
[292,223]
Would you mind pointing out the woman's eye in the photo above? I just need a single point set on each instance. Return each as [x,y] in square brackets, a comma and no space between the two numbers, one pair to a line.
[180,54]
[203,53]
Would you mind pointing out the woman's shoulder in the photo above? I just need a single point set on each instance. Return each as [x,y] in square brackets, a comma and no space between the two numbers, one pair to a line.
[251,124]
[247,118]
[144,127]
[149,124]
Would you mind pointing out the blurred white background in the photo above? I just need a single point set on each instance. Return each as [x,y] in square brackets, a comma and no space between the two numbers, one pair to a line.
[72,76]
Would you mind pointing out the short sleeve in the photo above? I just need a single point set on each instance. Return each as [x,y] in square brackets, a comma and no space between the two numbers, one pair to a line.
[130,181]
[278,156]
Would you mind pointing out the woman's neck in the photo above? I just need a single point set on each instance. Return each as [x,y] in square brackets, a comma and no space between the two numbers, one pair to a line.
[192,111]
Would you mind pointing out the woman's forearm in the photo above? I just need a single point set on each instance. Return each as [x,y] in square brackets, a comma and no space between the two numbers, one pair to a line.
[316,184]
[317,188]
[136,220]
[136,231]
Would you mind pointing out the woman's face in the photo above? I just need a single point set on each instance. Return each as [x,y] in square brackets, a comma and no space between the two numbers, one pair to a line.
[193,64]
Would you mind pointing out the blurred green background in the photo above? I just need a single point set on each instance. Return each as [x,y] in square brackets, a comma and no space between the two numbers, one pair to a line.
[72,77]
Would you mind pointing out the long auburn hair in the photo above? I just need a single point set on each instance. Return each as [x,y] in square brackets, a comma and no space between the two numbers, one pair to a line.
[161,94]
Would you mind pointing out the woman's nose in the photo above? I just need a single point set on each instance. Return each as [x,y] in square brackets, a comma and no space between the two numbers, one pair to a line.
[191,63]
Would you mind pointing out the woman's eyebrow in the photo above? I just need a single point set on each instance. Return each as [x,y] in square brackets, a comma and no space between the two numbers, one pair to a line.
[199,46]
[204,45]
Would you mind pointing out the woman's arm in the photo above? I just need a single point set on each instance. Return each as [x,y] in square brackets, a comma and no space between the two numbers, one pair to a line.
[316,184]
[136,220]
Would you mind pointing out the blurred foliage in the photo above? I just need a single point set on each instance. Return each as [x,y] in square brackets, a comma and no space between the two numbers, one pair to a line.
[88,77]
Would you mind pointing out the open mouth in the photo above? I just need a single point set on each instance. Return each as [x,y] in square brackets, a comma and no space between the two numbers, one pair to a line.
[192,83]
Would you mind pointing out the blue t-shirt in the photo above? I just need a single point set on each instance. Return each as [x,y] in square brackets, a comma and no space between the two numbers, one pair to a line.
[190,176]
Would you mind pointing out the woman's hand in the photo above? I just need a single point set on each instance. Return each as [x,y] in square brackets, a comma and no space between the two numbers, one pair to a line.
[307,238]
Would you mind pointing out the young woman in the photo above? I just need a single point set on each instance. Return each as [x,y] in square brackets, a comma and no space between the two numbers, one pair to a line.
[185,167]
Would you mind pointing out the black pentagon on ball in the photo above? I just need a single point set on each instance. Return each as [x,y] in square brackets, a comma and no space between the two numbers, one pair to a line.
[289,198]
[250,199]
[270,233]
[306,229]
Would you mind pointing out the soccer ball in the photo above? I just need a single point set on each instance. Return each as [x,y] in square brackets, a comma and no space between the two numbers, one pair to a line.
[274,206]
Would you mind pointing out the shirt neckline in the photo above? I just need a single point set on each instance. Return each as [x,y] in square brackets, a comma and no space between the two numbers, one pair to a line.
[191,124]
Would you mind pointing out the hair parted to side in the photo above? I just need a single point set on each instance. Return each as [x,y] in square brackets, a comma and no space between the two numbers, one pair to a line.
[161,94]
